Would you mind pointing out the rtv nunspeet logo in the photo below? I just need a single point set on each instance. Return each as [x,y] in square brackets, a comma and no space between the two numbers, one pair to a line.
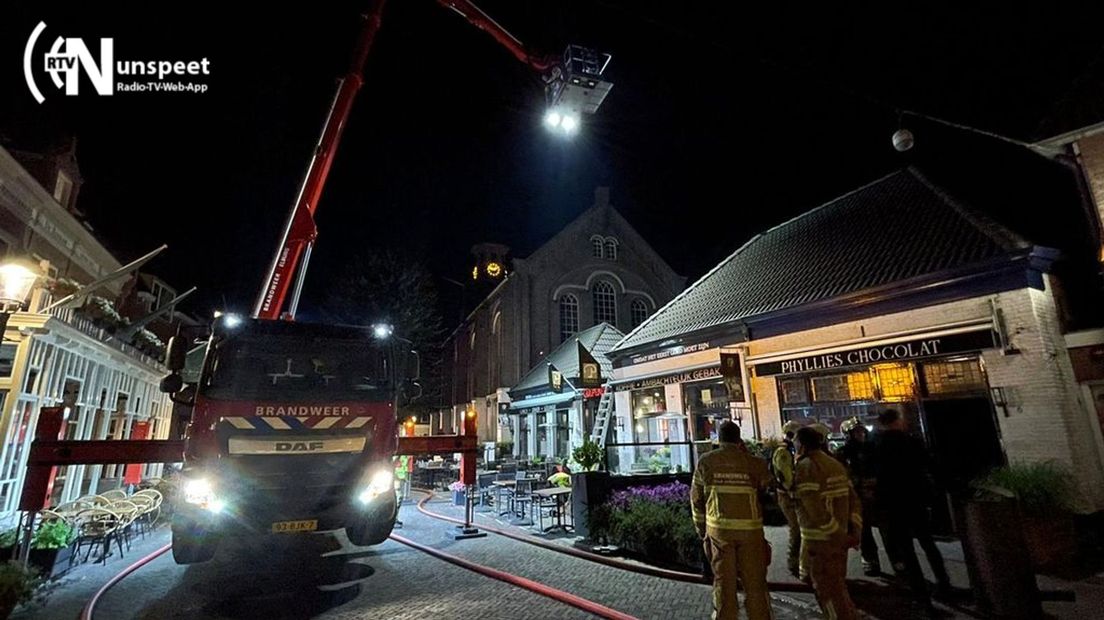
[68,55]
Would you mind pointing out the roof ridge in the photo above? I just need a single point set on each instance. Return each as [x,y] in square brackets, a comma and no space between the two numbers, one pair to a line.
[989,227]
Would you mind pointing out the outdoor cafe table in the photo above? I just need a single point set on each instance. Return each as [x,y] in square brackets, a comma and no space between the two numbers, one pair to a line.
[560,494]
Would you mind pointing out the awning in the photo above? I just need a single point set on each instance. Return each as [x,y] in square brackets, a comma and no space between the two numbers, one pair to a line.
[543,401]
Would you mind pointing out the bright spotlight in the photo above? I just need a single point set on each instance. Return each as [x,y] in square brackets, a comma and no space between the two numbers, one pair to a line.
[570,124]
[381,330]
[552,119]
[231,320]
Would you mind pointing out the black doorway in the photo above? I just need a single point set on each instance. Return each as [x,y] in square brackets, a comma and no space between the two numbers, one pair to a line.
[964,441]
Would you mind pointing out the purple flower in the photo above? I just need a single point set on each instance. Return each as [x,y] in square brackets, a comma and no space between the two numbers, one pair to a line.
[666,494]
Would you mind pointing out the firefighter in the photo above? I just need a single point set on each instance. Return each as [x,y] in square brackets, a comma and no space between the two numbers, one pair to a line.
[782,462]
[858,455]
[726,501]
[830,515]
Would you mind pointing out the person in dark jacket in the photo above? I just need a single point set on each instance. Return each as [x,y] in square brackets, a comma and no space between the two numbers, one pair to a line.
[858,455]
[904,497]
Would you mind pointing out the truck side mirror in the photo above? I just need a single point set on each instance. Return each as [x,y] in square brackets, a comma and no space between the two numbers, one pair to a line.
[175,355]
[172,383]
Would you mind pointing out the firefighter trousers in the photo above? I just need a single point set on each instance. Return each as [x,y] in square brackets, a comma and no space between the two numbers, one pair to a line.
[793,552]
[743,560]
[828,568]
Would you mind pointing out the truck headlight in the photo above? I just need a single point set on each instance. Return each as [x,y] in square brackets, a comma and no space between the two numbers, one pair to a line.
[381,482]
[200,492]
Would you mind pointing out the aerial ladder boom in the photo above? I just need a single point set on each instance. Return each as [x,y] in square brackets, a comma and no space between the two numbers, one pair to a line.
[573,86]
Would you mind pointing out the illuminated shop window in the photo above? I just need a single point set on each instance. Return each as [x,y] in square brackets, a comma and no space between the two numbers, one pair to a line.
[895,382]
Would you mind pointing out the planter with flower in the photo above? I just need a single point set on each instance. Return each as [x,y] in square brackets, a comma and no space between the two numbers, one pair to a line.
[653,522]
[459,493]
[102,313]
[147,342]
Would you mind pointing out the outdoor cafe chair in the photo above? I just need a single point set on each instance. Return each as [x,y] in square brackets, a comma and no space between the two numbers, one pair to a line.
[96,526]
[128,513]
[521,496]
[157,498]
[485,487]
[95,500]
[114,495]
[70,510]
[147,507]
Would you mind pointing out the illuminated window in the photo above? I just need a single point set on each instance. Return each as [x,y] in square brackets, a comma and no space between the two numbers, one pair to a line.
[894,382]
[596,244]
[860,386]
[953,377]
[605,304]
[639,312]
[569,316]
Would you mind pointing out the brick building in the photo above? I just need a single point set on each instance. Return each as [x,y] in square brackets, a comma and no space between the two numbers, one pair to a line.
[598,269]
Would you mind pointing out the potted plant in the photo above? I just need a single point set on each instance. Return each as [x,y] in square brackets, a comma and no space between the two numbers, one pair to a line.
[588,455]
[51,548]
[459,493]
[17,585]
[1044,492]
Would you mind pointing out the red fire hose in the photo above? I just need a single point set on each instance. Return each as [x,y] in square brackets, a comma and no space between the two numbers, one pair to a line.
[90,606]
[533,586]
[775,586]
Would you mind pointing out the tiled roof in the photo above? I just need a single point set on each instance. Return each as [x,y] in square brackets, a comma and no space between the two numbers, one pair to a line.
[598,340]
[898,227]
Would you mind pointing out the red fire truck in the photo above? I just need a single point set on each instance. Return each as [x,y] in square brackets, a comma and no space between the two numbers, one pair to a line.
[293,425]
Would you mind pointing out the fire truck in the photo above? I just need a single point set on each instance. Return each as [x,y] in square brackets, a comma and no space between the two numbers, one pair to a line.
[293,425]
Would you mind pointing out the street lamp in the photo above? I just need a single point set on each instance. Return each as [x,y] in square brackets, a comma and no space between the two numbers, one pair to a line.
[17,278]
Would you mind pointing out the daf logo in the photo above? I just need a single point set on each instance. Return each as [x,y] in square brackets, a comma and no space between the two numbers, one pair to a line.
[298,446]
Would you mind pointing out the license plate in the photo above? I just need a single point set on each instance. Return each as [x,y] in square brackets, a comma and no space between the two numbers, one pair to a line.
[283,527]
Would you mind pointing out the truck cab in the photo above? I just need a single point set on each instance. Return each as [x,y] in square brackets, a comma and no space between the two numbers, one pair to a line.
[293,429]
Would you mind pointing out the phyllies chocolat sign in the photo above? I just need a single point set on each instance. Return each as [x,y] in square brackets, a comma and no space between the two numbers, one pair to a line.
[898,351]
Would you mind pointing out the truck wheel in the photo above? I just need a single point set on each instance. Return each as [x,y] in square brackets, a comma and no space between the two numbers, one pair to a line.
[191,545]
[374,527]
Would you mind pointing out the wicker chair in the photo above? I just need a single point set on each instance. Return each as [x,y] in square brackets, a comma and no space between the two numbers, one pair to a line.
[114,495]
[97,526]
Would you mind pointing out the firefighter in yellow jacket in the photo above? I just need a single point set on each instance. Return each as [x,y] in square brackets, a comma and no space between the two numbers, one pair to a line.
[726,500]
[830,515]
[782,461]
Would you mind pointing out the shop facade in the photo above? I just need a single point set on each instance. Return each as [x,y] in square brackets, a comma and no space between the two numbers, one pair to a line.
[552,409]
[959,325]
[668,405]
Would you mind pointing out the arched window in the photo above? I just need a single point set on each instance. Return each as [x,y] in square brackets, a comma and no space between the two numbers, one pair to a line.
[611,248]
[569,316]
[596,243]
[639,312]
[496,353]
[605,303]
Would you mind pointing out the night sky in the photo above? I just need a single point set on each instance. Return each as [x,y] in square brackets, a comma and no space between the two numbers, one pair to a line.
[722,122]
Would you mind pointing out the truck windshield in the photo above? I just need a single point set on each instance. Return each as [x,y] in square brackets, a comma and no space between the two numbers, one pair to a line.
[299,370]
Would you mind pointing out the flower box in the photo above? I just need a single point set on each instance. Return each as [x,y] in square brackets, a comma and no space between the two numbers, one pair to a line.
[459,498]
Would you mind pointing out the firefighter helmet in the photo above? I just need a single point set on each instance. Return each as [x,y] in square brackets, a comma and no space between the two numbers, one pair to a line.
[823,429]
[851,424]
[790,427]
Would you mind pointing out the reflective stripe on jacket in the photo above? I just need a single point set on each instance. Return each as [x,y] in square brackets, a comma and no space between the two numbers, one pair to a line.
[724,497]
[827,504]
[783,463]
